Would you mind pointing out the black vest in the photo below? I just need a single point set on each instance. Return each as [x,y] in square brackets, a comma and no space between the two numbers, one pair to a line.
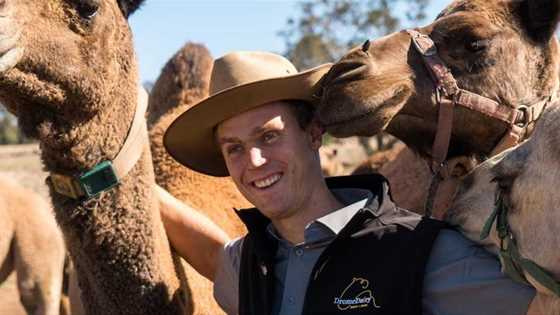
[375,265]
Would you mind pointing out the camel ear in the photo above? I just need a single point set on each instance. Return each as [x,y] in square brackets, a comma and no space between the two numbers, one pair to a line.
[129,6]
[540,18]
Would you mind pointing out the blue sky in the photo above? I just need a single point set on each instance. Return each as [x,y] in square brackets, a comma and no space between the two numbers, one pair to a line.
[161,27]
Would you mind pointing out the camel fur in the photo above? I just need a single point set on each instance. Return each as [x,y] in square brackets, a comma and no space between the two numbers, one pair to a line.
[409,176]
[503,50]
[74,89]
[31,245]
[527,177]
[182,83]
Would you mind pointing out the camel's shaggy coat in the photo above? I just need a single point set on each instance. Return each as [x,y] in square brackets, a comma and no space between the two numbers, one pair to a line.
[70,77]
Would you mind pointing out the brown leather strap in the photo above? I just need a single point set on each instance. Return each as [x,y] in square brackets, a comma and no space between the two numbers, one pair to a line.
[486,106]
[446,87]
[448,94]
[443,134]
[440,74]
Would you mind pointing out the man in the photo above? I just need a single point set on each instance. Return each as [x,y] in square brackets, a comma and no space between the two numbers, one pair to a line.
[315,246]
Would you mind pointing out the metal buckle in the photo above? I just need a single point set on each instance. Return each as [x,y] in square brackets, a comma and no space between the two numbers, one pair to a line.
[526,111]
[424,44]
[66,185]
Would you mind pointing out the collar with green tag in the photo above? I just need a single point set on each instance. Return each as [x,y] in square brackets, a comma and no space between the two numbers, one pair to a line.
[515,265]
[108,174]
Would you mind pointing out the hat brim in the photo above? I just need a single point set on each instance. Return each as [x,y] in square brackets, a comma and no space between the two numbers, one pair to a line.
[190,138]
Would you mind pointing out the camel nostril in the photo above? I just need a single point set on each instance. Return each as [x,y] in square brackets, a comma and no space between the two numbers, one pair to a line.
[365,46]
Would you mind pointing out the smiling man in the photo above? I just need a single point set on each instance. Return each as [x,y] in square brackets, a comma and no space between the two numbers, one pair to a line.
[315,245]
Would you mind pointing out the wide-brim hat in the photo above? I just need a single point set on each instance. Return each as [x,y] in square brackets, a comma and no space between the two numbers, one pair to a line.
[240,81]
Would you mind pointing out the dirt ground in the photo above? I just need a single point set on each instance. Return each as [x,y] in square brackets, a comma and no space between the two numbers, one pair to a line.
[22,164]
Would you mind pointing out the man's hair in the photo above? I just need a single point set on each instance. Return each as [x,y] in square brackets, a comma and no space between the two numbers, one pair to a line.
[303,111]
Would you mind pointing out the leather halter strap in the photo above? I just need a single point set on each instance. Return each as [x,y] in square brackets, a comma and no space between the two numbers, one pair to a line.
[108,174]
[448,95]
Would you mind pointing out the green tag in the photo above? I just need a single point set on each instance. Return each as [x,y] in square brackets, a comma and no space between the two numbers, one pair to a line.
[100,178]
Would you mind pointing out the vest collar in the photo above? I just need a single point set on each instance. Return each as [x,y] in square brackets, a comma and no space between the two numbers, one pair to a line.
[257,223]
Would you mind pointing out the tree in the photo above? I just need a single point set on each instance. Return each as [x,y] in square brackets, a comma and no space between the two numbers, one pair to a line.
[324,30]
[9,132]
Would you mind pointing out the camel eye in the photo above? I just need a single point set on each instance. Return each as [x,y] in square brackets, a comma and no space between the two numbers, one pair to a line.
[87,8]
[476,46]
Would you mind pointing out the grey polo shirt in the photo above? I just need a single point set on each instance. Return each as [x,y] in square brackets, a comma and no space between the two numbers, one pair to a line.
[461,277]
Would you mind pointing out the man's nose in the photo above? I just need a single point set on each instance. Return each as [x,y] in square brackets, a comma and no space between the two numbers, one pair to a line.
[256,157]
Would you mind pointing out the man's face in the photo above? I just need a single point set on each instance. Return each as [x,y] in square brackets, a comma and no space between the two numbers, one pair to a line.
[273,162]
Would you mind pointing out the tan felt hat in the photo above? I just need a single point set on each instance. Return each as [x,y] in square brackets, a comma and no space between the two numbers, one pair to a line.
[240,81]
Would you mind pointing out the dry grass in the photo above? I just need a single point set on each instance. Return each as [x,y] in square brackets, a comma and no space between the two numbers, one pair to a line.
[22,164]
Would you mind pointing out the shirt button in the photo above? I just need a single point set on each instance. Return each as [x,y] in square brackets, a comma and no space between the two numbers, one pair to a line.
[291,300]
[299,252]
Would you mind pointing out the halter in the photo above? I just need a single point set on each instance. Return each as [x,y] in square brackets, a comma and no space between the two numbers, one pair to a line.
[515,265]
[448,95]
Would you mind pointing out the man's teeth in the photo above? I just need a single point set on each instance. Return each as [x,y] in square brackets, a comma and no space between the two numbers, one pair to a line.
[267,181]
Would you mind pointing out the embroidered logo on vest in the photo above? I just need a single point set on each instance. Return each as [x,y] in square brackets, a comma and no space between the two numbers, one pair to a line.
[356,295]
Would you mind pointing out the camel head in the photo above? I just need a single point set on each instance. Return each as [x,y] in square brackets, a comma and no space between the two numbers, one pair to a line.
[62,60]
[502,50]
[527,178]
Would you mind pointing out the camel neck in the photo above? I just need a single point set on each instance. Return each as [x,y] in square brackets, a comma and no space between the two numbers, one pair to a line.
[72,148]
[116,239]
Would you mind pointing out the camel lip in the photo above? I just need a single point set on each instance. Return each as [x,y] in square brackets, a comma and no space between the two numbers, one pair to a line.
[348,120]
[44,90]
[398,97]
[10,58]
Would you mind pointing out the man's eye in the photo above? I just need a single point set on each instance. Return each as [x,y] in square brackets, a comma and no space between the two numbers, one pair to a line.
[270,136]
[233,149]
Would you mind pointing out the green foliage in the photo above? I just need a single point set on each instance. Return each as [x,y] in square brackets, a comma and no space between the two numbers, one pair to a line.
[9,132]
[325,29]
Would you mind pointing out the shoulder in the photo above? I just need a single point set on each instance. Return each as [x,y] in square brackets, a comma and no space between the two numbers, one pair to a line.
[231,255]
[226,281]
[460,272]
[451,246]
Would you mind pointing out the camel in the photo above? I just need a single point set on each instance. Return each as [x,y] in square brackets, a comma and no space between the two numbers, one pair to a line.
[74,89]
[408,174]
[184,80]
[505,51]
[526,179]
[31,245]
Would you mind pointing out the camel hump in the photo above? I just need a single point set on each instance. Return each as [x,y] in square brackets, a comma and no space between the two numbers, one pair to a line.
[184,80]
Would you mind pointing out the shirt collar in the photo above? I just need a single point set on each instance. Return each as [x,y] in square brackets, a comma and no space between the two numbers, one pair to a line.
[331,224]
[355,199]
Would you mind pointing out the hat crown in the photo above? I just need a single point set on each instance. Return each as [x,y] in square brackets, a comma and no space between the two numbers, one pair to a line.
[244,67]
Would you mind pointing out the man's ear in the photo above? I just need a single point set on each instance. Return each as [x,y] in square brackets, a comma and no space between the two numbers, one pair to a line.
[129,6]
[316,131]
